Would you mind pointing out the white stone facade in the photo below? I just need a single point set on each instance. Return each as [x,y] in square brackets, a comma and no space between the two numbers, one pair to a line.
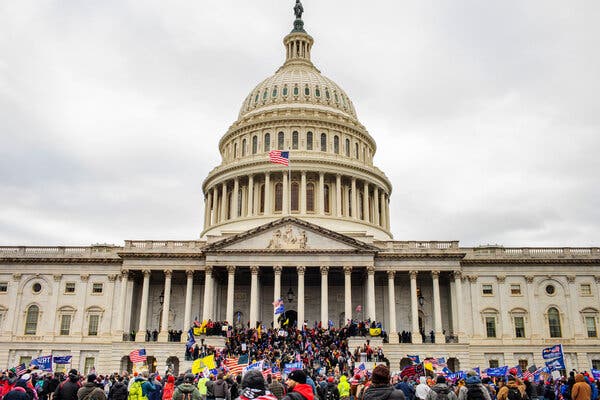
[317,232]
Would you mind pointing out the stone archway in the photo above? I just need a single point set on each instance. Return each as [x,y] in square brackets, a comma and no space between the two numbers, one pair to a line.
[290,315]
[173,365]
[238,320]
[126,365]
[453,364]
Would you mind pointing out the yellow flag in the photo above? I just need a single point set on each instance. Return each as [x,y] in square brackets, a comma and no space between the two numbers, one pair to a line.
[197,366]
[209,362]
[428,366]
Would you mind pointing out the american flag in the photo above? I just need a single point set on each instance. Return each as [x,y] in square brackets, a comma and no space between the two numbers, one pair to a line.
[276,373]
[137,356]
[279,157]
[20,369]
[234,365]
[266,372]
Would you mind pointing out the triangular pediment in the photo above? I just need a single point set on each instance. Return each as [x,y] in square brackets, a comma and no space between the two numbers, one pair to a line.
[290,234]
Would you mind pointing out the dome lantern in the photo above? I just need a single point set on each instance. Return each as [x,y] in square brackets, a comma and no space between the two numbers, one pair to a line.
[298,43]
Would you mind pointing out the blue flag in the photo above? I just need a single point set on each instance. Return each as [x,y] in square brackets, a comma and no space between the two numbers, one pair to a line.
[500,371]
[414,359]
[556,364]
[287,368]
[44,363]
[478,370]
[553,352]
[62,359]
[191,340]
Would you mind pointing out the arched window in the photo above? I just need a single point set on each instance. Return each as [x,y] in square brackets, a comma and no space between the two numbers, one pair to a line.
[294,200]
[359,205]
[243,147]
[323,142]
[554,323]
[229,205]
[350,203]
[280,138]
[235,150]
[267,144]
[308,140]
[364,154]
[31,320]
[310,197]
[261,208]
[356,150]
[326,199]
[254,144]
[336,144]
[295,140]
[239,202]
[278,196]
[347,148]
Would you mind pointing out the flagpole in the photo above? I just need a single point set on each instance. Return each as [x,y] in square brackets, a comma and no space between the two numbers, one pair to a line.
[289,188]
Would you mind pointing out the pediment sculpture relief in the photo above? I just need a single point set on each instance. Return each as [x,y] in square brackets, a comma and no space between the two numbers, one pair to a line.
[288,240]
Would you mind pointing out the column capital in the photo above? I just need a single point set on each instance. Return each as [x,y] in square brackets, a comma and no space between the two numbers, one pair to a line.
[370,270]
[124,274]
[301,269]
[58,277]
[435,274]
[529,278]
[457,274]
[597,278]
[472,278]
[168,273]
[84,277]
[111,277]
[277,269]
[413,274]
[146,272]
[254,269]
[189,273]
[347,269]
[208,269]
[324,269]
[501,278]
[231,269]
[391,274]
[571,278]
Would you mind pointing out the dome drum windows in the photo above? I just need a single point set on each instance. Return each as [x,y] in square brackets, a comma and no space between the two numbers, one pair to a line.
[323,142]
[278,197]
[309,140]
[336,144]
[254,144]
[274,93]
[280,140]
[347,148]
[285,91]
[243,147]
[296,90]
[295,140]
[318,92]
[310,197]
[267,143]
[306,91]
[295,191]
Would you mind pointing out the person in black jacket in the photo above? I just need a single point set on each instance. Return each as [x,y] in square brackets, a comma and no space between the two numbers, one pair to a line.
[67,390]
[118,391]
[380,388]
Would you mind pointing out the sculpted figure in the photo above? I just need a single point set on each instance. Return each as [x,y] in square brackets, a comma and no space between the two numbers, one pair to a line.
[298,9]
[275,242]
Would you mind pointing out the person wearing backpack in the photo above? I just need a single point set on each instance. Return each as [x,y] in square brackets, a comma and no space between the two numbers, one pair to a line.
[473,388]
[514,390]
[187,390]
[118,390]
[441,391]
[380,388]
[220,388]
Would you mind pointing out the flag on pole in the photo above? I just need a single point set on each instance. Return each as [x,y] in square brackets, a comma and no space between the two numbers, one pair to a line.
[20,369]
[279,307]
[44,363]
[62,359]
[235,364]
[279,157]
[137,356]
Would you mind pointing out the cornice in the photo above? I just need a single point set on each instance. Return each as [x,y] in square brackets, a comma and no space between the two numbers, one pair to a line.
[546,261]
[412,256]
[59,260]
[140,254]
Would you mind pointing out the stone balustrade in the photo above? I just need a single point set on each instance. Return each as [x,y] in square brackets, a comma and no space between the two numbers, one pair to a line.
[533,252]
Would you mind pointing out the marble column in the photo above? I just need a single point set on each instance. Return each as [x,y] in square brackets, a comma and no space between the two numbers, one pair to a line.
[268,193]
[303,192]
[254,295]
[230,293]
[188,301]
[163,335]
[208,294]
[476,316]
[141,334]
[366,202]
[338,195]
[122,302]
[207,207]
[301,270]
[354,196]
[324,296]
[285,199]
[437,308]
[371,293]
[348,292]
[505,324]
[414,308]
[250,210]
[393,329]
[235,200]
[321,202]
[215,205]
[458,303]
[382,223]
[573,304]
[276,289]
[224,202]
[376,218]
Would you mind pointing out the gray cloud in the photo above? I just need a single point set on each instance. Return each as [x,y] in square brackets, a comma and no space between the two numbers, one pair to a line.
[484,113]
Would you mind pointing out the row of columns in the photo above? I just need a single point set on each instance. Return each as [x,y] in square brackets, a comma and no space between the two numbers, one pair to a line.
[301,270]
[375,211]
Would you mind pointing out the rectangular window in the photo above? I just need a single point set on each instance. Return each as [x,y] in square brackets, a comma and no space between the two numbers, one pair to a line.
[515,289]
[523,364]
[519,327]
[3,287]
[89,364]
[25,360]
[93,325]
[586,289]
[590,324]
[97,288]
[65,325]
[487,289]
[596,364]
[490,326]
[70,287]
[494,363]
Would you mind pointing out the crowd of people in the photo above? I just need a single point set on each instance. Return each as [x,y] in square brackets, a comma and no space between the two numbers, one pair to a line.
[299,384]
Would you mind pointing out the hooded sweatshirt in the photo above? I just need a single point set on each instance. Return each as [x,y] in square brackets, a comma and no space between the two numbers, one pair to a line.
[344,387]
[304,389]
[581,390]
[186,390]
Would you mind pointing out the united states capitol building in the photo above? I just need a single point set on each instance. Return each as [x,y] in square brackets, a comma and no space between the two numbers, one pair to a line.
[317,235]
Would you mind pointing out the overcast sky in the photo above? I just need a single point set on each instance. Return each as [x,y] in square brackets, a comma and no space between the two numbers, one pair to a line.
[486,113]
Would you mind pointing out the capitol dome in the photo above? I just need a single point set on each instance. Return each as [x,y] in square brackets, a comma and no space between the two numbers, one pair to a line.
[331,180]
